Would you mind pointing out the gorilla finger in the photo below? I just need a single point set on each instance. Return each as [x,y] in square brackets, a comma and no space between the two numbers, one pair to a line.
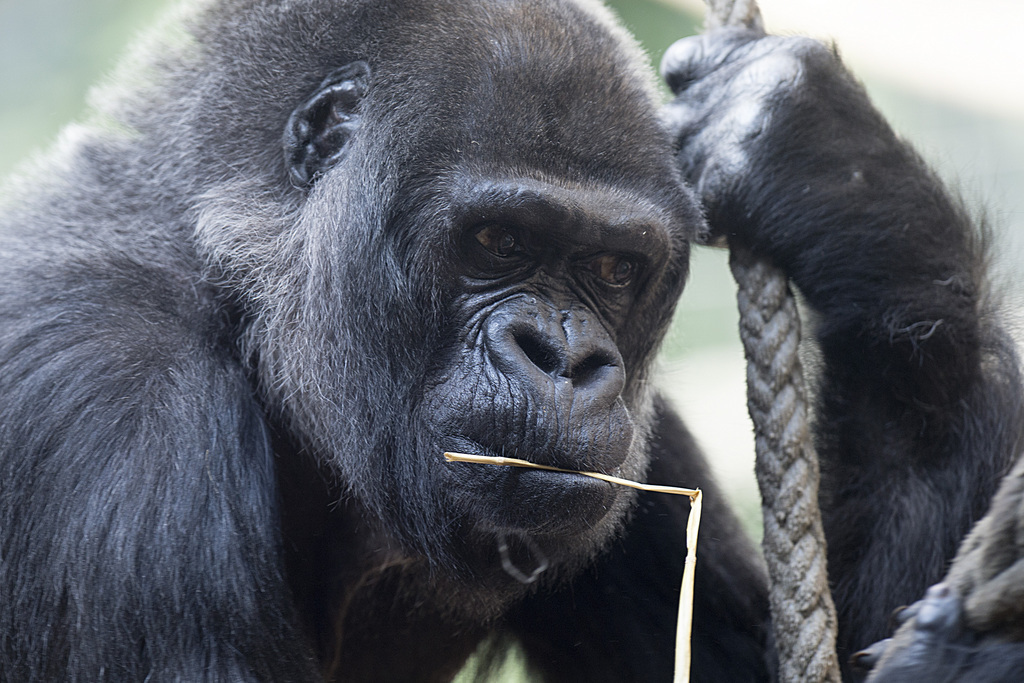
[902,615]
[682,61]
[941,609]
[864,661]
[691,59]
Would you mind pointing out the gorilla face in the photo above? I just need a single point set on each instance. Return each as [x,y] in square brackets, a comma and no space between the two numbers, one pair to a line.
[493,236]
[558,283]
[534,371]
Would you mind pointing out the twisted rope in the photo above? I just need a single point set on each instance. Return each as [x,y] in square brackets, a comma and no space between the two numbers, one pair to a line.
[803,615]
[739,13]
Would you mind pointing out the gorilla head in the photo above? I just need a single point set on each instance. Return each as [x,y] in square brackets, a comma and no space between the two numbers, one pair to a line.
[411,227]
[475,244]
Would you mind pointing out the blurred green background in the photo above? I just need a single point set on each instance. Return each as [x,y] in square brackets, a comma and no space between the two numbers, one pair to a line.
[52,51]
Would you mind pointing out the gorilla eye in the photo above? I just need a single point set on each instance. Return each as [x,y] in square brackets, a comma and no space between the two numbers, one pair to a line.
[497,240]
[614,269]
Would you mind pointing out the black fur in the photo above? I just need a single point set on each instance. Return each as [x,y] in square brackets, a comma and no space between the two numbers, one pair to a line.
[246,308]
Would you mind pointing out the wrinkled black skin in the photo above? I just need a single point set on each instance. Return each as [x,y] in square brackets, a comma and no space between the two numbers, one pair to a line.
[244,311]
[936,645]
[918,394]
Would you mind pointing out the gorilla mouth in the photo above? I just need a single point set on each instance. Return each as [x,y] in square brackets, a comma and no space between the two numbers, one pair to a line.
[529,500]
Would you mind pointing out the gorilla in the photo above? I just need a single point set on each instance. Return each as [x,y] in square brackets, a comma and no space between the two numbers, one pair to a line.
[970,626]
[303,247]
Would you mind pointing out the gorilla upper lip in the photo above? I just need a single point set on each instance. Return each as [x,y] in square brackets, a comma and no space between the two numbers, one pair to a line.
[566,457]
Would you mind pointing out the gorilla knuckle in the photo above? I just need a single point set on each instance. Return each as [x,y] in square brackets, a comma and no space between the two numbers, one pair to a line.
[773,73]
[803,47]
[681,62]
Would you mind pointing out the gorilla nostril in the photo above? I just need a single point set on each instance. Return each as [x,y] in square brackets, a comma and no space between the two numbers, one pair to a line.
[539,352]
[590,368]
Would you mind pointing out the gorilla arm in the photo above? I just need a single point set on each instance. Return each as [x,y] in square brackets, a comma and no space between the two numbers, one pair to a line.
[919,409]
[141,457]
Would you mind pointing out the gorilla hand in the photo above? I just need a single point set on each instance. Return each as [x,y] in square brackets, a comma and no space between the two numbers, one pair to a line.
[792,160]
[757,118]
[729,86]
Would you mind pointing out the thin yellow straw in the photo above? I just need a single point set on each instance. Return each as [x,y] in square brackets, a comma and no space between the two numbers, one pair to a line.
[684,623]
[516,462]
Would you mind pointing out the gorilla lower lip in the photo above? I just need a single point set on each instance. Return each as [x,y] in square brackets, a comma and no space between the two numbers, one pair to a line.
[553,502]
[537,501]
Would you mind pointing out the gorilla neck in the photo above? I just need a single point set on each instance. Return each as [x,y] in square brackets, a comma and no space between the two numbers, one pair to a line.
[362,598]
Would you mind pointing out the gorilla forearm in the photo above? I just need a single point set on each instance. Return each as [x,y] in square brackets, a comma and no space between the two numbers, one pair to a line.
[919,405]
[919,400]
[890,263]
[919,397]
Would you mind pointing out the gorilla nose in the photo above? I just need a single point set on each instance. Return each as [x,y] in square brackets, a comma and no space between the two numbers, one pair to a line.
[569,348]
[582,366]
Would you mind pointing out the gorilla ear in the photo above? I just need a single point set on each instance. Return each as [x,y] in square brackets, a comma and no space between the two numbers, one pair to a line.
[318,131]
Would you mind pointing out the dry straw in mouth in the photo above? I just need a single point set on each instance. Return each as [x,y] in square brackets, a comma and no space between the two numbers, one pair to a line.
[685,620]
